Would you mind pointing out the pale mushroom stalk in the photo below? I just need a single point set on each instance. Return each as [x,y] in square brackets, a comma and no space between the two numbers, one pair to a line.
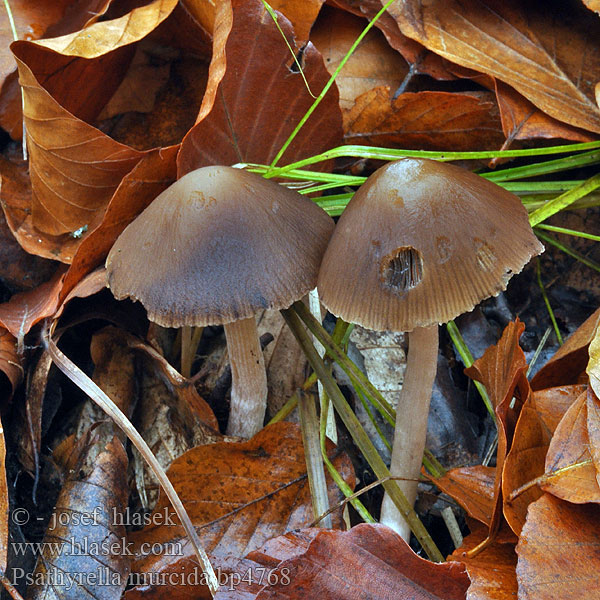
[411,422]
[248,378]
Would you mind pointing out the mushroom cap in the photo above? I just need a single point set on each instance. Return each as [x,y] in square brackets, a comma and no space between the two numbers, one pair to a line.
[219,245]
[420,243]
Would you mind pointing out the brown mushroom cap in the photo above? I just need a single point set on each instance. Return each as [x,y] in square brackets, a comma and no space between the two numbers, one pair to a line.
[420,243]
[219,245]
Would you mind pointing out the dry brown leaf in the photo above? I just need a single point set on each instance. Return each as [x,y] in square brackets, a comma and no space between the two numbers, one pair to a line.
[34,20]
[24,310]
[300,13]
[521,120]
[74,168]
[80,550]
[238,495]
[106,36]
[255,98]
[11,364]
[539,417]
[571,359]
[593,367]
[558,551]
[342,565]
[502,371]
[492,571]
[472,488]
[4,507]
[593,430]
[424,120]
[20,270]
[593,5]
[421,59]
[570,472]
[554,62]
[373,64]
[153,174]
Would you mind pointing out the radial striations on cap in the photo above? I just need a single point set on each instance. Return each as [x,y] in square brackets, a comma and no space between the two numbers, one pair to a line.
[420,243]
[219,245]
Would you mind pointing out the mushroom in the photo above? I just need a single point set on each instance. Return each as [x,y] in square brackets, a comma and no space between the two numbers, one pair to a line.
[420,243]
[215,248]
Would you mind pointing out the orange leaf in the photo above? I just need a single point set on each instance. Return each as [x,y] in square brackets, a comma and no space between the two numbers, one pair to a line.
[472,488]
[552,62]
[569,450]
[24,310]
[571,359]
[153,174]
[525,462]
[424,120]
[558,551]
[255,98]
[238,495]
[492,571]
[374,63]
[341,565]
[11,364]
[521,120]
[502,370]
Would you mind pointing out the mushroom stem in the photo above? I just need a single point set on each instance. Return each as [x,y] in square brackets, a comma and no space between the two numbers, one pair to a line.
[248,379]
[411,422]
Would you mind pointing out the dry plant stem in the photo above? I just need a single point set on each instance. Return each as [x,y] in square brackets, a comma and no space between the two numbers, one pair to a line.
[309,424]
[248,379]
[411,422]
[77,376]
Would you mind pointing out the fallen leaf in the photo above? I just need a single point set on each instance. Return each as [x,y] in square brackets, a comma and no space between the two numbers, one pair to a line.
[99,38]
[570,360]
[570,472]
[74,169]
[421,60]
[373,64]
[4,508]
[593,367]
[424,120]
[558,551]
[34,20]
[521,120]
[300,13]
[593,430]
[492,571]
[238,495]
[340,565]
[88,554]
[550,61]
[19,270]
[526,460]
[25,309]
[472,488]
[502,369]
[593,5]
[255,98]
[11,364]
[153,174]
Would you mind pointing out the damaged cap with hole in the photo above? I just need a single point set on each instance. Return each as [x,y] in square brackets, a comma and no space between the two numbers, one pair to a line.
[215,248]
[420,243]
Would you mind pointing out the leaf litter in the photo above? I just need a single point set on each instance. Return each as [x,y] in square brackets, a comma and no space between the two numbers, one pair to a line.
[429,80]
